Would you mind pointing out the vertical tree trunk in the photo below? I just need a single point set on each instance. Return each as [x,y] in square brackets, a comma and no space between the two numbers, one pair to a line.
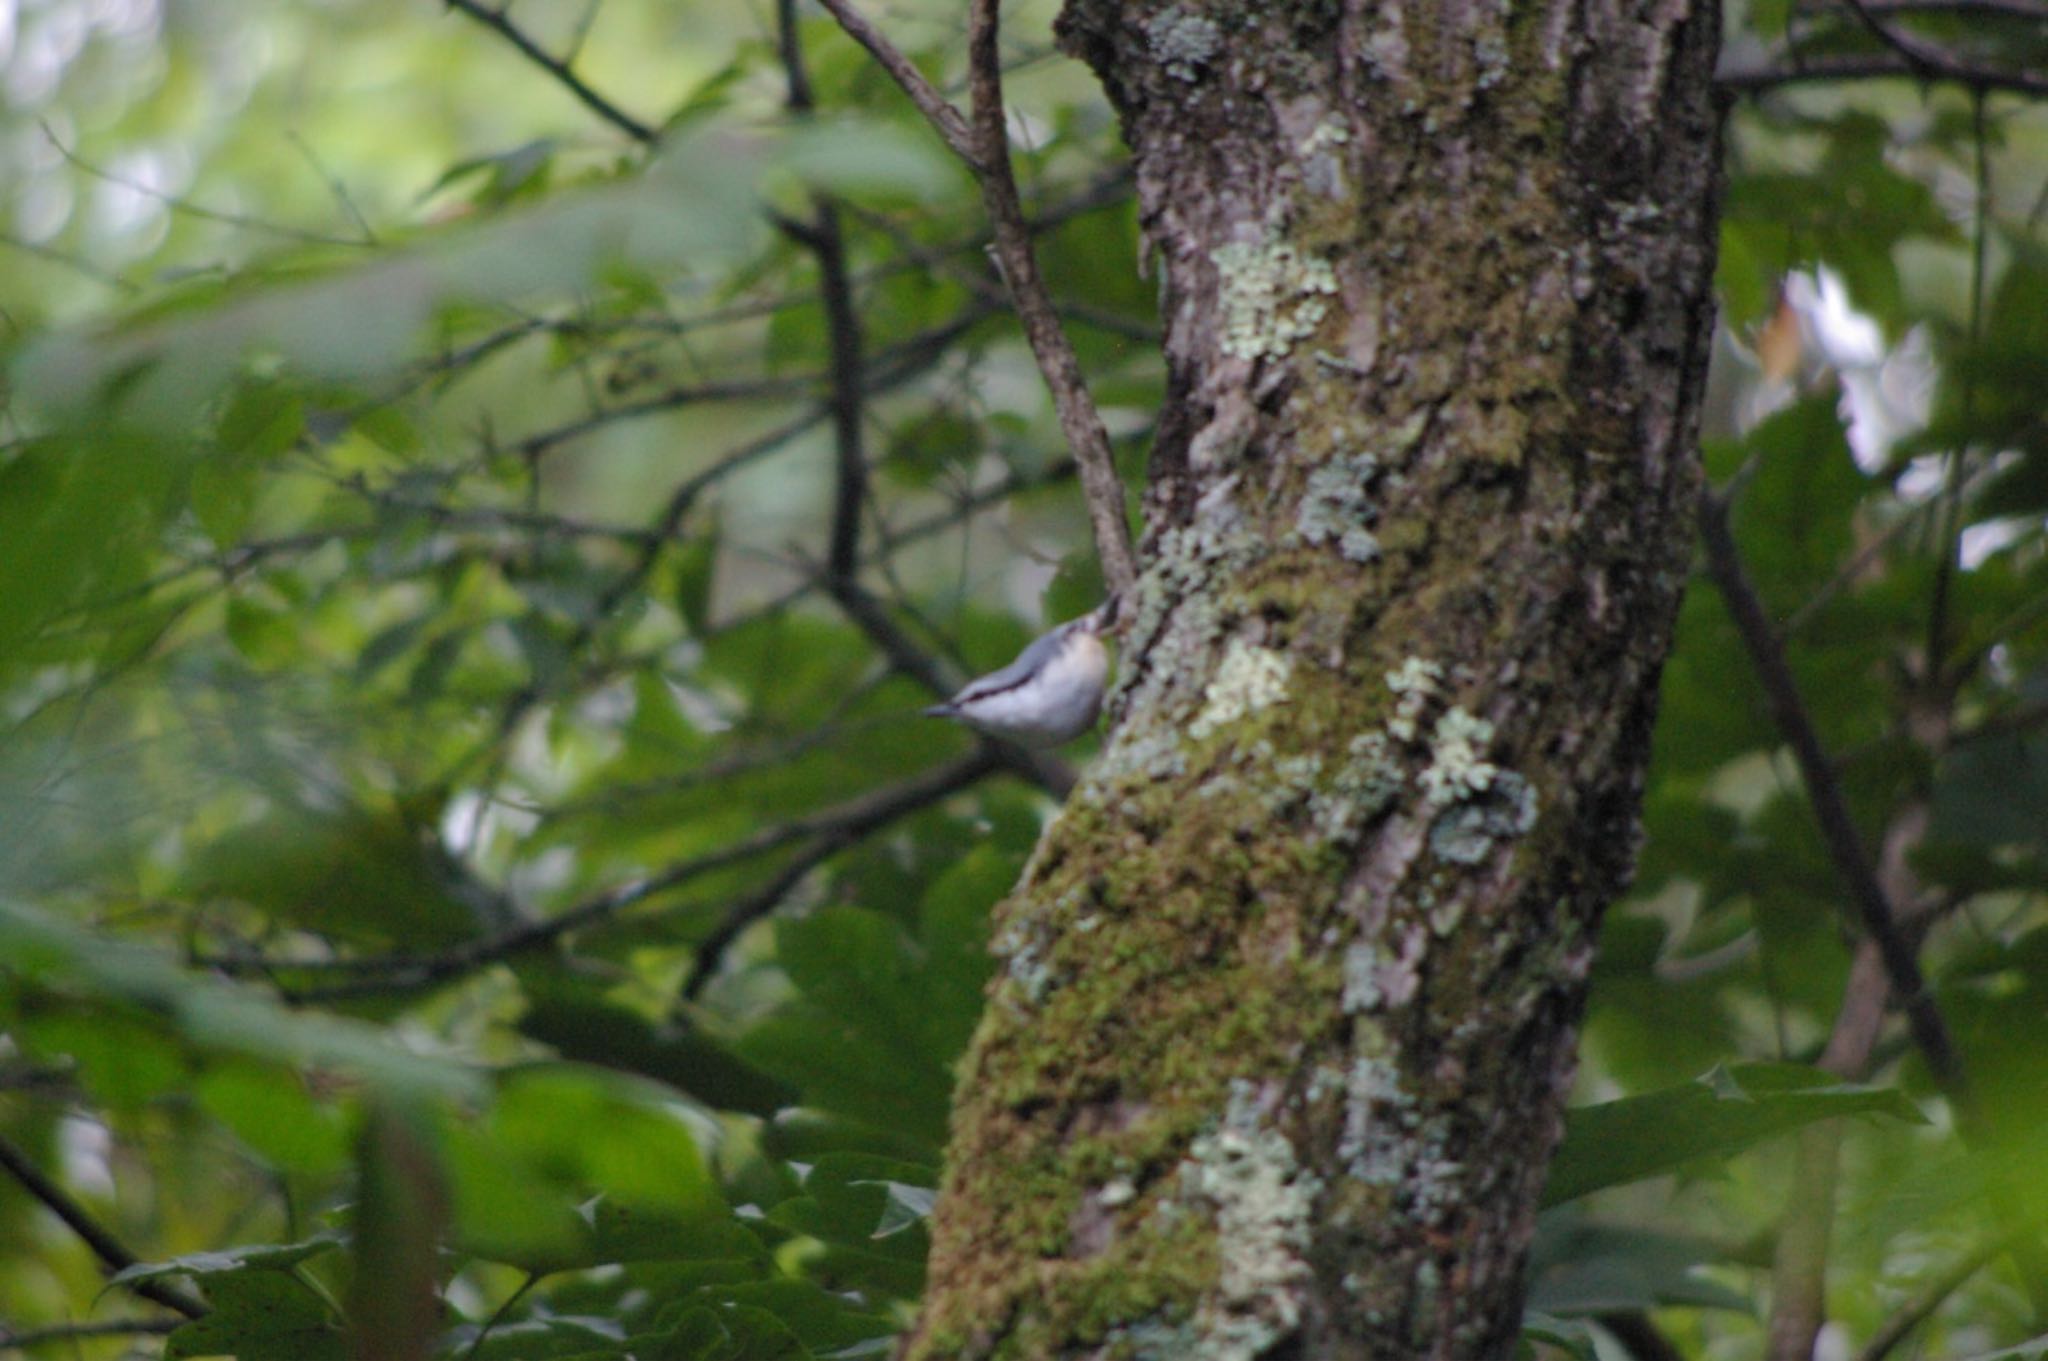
[1275,1062]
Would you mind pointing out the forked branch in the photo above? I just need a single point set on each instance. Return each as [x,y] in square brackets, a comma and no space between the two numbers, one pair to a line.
[982,141]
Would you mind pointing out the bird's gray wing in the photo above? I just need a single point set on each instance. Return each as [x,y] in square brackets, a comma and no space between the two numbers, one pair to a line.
[1030,661]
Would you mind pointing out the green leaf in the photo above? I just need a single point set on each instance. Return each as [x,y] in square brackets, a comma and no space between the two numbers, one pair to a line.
[214,1015]
[354,874]
[505,175]
[692,206]
[1580,1268]
[860,1041]
[1994,792]
[1569,1336]
[1714,1117]
[866,156]
[261,1315]
[271,1111]
[581,1026]
[597,1131]
[80,508]
[555,1338]
[696,569]
[254,1257]
[123,1060]
[871,1213]
[921,451]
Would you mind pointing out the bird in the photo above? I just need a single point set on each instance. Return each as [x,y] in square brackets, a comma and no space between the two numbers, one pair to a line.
[1049,695]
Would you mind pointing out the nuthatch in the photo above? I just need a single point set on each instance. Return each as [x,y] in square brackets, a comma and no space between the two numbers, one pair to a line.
[1049,695]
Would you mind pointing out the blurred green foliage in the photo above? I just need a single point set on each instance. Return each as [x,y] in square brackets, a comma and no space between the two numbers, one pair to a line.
[412,652]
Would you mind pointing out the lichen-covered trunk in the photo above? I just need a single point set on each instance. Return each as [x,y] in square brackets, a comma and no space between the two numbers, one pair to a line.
[1277,1056]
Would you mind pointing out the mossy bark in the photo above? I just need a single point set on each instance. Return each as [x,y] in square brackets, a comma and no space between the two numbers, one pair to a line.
[1276,1058]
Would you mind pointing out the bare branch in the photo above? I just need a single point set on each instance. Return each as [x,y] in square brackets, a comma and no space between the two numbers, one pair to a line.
[497,22]
[113,1255]
[849,385]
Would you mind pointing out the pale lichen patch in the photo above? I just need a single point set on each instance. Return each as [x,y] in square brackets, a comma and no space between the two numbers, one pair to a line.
[1181,42]
[1361,789]
[1251,678]
[1373,980]
[1273,296]
[1336,506]
[1414,683]
[1325,135]
[1022,949]
[1264,1202]
[1376,1114]
[1466,833]
[1456,767]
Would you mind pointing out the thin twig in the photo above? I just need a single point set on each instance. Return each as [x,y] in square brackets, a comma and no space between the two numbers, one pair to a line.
[1868,553]
[894,365]
[2030,11]
[1920,1306]
[990,290]
[497,22]
[842,326]
[190,209]
[1079,420]
[498,1314]
[850,820]
[1916,54]
[77,264]
[944,118]
[983,144]
[1877,66]
[756,905]
[113,1255]
[23,1339]
[1948,523]
[1831,810]
[334,187]
[826,241]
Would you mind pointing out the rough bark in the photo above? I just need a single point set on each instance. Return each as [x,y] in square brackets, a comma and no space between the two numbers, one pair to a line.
[1276,1058]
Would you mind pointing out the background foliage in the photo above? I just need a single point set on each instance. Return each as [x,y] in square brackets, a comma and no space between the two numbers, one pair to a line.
[468,885]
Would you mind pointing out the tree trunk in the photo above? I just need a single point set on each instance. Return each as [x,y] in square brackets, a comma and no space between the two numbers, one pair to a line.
[1276,1058]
